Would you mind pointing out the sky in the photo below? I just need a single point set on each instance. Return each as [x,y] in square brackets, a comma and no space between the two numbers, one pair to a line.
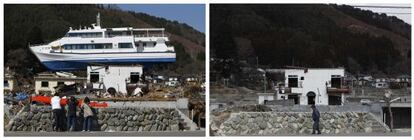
[401,13]
[191,14]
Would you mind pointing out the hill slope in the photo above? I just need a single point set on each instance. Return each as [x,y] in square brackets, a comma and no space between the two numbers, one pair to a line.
[309,36]
[35,24]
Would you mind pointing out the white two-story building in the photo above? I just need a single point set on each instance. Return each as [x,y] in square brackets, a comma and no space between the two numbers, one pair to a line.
[114,76]
[320,86]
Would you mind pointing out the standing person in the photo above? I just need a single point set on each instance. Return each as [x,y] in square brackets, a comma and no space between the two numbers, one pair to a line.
[57,112]
[87,114]
[315,117]
[71,115]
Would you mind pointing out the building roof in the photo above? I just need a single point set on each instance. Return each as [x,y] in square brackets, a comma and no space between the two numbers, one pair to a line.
[58,76]
[282,70]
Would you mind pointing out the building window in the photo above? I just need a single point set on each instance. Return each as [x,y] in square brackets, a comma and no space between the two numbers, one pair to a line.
[292,81]
[125,45]
[45,84]
[94,77]
[60,83]
[134,77]
[336,81]
[6,83]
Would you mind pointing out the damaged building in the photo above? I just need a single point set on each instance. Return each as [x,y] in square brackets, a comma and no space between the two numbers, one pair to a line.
[307,86]
[46,83]
[114,76]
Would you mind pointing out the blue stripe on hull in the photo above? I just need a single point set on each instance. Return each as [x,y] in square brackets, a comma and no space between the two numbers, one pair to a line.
[82,64]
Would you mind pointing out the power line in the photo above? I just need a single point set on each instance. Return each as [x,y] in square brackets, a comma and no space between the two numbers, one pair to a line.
[373,6]
[397,13]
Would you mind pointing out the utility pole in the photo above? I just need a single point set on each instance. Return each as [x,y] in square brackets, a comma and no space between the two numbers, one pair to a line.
[264,81]
[388,103]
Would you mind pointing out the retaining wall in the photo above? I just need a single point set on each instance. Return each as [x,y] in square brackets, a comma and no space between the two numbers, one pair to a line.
[120,116]
[290,123]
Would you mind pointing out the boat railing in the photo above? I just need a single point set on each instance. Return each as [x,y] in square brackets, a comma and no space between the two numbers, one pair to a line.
[38,44]
[151,35]
[109,36]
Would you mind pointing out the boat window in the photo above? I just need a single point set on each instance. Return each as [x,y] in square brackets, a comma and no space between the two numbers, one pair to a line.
[107,46]
[87,46]
[144,44]
[98,46]
[67,47]
[125,45]
[155,43]
[85,35]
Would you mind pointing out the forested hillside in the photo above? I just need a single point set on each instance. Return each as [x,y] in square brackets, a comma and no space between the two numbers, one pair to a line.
[311,36]
[36,24]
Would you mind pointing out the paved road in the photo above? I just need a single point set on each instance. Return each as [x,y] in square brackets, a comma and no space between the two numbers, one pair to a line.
[106,134]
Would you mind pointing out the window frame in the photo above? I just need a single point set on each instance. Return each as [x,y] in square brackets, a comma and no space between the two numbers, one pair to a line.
[44,84]
[92,80]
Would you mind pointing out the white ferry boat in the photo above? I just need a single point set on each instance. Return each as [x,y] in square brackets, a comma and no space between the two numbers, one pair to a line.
[96,45]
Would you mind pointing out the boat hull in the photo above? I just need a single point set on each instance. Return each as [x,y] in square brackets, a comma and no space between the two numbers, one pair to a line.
[82,64]
[73,62]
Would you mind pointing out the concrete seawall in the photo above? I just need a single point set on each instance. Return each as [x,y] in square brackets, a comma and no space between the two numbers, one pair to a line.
[119,116]
[287,123]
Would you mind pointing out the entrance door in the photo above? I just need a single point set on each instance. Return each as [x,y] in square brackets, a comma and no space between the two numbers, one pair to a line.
[334,100]
[295,98]
[311,98]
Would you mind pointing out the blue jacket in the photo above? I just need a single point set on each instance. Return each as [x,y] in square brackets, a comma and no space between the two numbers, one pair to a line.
[72,108]
[316,115]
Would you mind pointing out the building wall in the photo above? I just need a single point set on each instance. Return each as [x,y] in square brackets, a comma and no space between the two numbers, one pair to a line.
[114,76]
[263,97]
[52,84]
[314,81]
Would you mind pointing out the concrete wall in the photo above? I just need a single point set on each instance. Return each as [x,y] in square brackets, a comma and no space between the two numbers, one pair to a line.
[291,123]
[375,109]
[265,96]
[39,119]
[180,104]
[119,116]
